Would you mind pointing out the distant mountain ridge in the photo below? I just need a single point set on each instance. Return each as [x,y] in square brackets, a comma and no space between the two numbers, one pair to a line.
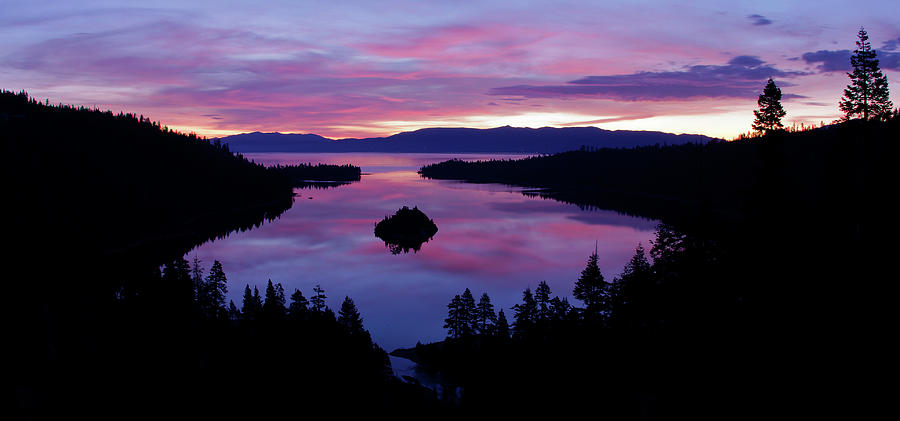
[462,140]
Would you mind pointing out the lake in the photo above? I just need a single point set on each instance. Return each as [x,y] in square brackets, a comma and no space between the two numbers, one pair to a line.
[491,238]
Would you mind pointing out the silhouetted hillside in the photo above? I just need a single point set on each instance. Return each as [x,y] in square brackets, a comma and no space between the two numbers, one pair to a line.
[795,215]
[462,140]
[781,253]
[114,184]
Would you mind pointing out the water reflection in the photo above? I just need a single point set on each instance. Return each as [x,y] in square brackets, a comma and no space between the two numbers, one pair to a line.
[492,239]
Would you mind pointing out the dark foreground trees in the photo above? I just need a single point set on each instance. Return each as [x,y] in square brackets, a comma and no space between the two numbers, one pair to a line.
[156,354]
[625,358]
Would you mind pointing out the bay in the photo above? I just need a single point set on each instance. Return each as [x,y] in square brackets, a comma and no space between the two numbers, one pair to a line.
[491,239]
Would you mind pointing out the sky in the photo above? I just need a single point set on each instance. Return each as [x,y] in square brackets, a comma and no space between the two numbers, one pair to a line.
[374,68]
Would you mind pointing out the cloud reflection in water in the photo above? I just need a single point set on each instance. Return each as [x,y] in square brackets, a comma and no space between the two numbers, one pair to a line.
[492,239]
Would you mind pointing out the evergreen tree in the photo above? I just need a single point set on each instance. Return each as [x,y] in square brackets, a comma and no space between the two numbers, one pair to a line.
[279,295]
[247,303]
[317,301]
[454,321]
[559,309]
[770,112]
[273,307]
[467,312]
[216,287]
[592,289]
[485,315]
[299,306]
[631,293]
[233,312]
[201,291]
[542,298]
[502,330]
[177,276]
[867,94]
[525,313]
[349,318]
[252,304]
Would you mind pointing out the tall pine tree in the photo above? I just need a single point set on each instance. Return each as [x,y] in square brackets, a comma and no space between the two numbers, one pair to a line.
[317,301]
[299,306]
[867,94]
[201,292]
[349,318]
[502,330]
[454,321]
[273,308]
[486,318]
[592,289]
[216,288]
[770,112]
[542,298]
[525,314]
[632,293]
[467,313]
[252,304]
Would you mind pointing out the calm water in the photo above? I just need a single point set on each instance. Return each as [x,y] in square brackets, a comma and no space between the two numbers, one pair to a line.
[491,239]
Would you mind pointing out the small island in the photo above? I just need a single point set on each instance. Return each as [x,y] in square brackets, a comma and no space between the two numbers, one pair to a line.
[406,229]
[319,175]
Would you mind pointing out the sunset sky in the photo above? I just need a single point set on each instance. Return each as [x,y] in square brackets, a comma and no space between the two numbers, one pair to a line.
[373,68]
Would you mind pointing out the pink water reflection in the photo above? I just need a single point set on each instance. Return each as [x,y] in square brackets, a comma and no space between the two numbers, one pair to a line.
[491,239]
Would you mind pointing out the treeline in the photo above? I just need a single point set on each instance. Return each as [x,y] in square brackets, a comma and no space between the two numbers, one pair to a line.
[301,174]
[625,353]
[717,180]
[596,176]
[175,343]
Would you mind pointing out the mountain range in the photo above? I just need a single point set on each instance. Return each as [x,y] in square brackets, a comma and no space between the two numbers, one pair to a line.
[462,140]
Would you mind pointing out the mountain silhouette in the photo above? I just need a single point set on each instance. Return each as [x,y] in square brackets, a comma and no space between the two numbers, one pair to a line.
[461,140]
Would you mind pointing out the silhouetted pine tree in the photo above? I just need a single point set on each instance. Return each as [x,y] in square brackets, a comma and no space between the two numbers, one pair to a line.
[502,330]
[468,313]
[317,301]
[525,314]
[252,304]
[273,307]
[177,276]
[349,318]
[299,306]
[486,318]
[216,287]
[770,112]
[233,312]
[867,94]
[279,294]
[592,290]
[454,322]
[559,309]
[201,293]
[632,290]
[542,298]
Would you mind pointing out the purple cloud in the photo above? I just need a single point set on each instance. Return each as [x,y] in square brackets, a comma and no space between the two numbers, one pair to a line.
[839,60]
[891,44]
[740,78]
[759,20]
